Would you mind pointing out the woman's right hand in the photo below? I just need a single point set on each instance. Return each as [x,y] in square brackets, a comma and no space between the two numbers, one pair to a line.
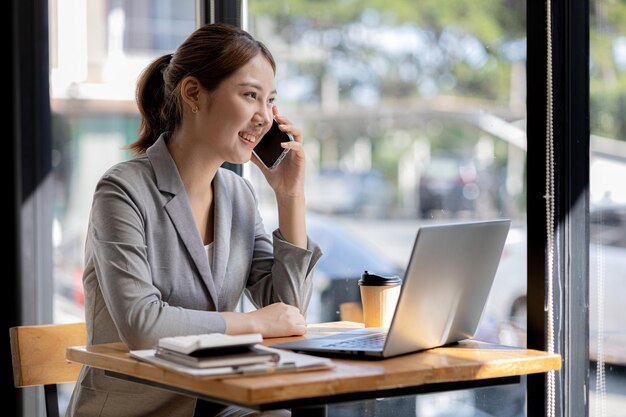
[274,320]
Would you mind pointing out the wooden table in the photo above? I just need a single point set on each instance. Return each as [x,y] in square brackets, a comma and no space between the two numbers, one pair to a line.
[470,364]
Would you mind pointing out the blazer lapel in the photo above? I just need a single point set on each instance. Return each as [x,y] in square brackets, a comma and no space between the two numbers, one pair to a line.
[178,208]
[222,228]
[181,215]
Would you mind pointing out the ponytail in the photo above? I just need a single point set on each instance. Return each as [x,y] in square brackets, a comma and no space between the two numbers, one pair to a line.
[155,105]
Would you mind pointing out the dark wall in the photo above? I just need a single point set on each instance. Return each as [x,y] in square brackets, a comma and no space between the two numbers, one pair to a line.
[10,156]
[28,284]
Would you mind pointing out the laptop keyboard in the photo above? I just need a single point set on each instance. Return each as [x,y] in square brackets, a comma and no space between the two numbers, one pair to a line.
[371,341]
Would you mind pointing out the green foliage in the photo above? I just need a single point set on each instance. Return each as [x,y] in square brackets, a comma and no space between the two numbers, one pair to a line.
[607,88]
[324,13]
[608,109]
[444,24]
[492,22]
[491,82]
[608,16]
[608,82]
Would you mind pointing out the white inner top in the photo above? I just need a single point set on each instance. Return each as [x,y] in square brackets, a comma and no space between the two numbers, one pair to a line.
[209,252]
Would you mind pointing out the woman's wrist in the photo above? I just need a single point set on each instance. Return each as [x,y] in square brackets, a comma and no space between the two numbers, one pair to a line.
[240,323]
[290,198]
[291,220]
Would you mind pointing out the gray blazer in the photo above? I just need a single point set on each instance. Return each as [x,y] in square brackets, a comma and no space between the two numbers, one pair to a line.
[147,274]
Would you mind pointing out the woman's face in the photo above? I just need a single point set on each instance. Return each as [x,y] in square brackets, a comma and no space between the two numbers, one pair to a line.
[239,112]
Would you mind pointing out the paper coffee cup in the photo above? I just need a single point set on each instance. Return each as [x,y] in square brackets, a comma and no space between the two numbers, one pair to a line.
[379,296]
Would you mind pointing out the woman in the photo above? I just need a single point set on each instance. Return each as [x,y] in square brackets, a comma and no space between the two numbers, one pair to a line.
[174,240]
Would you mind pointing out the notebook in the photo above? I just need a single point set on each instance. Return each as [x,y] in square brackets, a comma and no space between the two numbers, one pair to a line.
[288,362]
[219,357]
[443,295]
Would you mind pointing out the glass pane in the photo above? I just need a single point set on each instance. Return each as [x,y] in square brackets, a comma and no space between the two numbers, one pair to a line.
[413,113]
[97,50]
[607,245]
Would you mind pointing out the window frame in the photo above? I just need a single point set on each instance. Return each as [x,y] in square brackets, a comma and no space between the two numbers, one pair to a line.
[570,58]
[31,279]
[31,156]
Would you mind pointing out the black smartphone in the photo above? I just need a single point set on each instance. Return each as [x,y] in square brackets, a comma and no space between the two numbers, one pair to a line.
[268,150]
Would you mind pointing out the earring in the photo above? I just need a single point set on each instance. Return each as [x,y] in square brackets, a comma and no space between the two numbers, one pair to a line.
[194,110]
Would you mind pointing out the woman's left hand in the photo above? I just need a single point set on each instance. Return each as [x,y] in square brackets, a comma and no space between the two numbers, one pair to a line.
[287,179]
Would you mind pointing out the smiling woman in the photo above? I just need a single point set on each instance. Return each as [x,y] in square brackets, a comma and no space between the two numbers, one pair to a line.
[174,240]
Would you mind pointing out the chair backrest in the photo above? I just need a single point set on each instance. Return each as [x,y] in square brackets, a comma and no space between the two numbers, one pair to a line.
[38,356]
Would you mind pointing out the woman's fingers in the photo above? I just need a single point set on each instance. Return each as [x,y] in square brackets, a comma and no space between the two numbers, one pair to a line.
[280,319]
[292,130]
[292,145]
[286,126]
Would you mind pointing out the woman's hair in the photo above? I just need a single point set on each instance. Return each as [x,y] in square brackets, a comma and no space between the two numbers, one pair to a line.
[211,54]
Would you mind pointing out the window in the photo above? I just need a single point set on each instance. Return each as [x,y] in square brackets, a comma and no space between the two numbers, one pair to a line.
[97,50]
[412,113]
[382,90]
[607,219]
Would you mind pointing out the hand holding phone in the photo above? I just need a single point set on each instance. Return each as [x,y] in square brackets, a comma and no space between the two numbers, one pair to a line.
[268,150]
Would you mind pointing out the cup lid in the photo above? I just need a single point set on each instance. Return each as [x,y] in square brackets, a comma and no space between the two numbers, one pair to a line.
[378,280]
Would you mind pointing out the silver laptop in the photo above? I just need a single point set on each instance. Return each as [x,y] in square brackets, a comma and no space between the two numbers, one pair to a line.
[443,295]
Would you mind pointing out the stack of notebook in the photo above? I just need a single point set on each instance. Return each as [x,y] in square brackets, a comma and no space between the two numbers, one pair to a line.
[215,350]
[220,355]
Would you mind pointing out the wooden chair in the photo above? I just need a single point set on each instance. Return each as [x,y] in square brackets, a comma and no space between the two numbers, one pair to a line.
[38,356]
